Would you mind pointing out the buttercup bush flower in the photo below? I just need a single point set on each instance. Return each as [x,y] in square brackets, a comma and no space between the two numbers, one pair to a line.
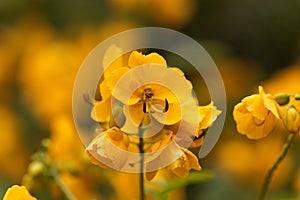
[18,193]
[255,115]
[148,115]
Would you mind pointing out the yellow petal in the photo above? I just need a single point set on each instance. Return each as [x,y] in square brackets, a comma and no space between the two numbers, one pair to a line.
[247,123]
[103,150]
[210,113]
[114,77]
[192,160]
[255,105]
[137,59]
[114,59]
[18,193]
[172,116]
[133,118]
[101,110]
[150,175]
[104,90]
[269,102]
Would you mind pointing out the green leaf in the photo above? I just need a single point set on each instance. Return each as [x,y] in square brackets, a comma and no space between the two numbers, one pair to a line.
[193,177]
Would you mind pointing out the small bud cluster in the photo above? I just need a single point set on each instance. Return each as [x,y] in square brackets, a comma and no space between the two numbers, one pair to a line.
[291,116]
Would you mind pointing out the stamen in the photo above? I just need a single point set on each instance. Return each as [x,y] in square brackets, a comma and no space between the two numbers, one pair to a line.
[166,106]
[148,93]
[144,107]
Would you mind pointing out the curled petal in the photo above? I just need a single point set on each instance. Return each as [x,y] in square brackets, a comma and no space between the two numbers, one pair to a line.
[109,149]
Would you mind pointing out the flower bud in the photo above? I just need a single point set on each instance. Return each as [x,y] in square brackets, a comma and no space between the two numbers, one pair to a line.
[291,119]
[297,97]
[282,99]
[36,168]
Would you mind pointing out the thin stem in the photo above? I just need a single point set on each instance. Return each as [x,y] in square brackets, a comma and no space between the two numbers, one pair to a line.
[141,149]
[268,177]
[61,184]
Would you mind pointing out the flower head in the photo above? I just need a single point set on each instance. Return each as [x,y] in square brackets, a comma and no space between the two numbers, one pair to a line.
[255,115]
[152,111]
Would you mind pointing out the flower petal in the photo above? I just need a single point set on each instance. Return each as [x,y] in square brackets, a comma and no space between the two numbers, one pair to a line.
[101,110]
[137,59]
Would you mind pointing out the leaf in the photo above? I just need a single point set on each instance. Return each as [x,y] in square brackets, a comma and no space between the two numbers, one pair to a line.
[193,177]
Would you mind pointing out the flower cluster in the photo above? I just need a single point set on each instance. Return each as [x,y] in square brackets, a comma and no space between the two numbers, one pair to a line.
[147,108]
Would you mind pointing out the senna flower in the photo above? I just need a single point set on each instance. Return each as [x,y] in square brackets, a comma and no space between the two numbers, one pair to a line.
[255,115]
[109,147]
[158,99]
[102,109]
[18,193]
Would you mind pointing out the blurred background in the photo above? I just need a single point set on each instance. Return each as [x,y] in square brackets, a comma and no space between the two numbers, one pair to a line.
[43,43]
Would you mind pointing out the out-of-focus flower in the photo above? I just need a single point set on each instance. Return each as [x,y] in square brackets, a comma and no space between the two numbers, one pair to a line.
[249,162]
[297,183]
[13,153]
[174,13]
[249,75]
[285,80]
[255,115]
[110,146]
[18,193]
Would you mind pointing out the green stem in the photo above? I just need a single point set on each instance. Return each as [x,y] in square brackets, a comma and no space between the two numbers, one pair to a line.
[141,149]
[268,177]
[61,184]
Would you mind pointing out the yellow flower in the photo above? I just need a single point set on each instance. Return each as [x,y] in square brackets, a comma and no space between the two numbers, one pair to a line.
[18,193]
[255,115]
[114,71]
[109,149]
[151,94]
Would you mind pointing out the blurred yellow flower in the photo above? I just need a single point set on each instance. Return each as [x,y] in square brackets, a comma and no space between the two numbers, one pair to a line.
[18,193]
[255,115]
[249,162]
[110,146]
[13,153]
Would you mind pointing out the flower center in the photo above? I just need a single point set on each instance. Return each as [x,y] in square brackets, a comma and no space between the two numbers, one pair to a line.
[148,94]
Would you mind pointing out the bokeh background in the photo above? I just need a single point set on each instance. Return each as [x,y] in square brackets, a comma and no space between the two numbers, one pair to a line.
[43,43]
